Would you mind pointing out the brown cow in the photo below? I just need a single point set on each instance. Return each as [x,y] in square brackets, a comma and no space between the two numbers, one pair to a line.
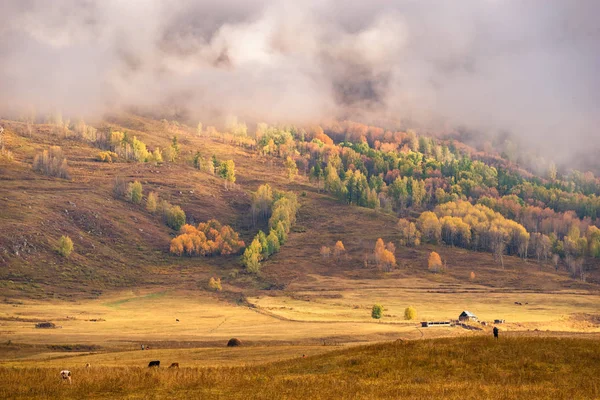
[174,365]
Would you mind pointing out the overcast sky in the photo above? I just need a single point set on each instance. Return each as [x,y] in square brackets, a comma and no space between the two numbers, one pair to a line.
[528,67]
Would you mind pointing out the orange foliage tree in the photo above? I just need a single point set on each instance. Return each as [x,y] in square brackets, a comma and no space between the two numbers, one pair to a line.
[339,250]
[209,238]
[384,255]
[434,263]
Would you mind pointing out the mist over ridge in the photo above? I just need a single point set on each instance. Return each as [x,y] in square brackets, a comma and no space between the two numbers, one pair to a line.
[527,68]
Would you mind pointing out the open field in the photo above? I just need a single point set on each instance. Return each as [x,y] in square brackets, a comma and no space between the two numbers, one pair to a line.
[329,314]
[459,368]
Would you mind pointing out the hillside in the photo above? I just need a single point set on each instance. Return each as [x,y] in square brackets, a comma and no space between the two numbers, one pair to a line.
[119,244]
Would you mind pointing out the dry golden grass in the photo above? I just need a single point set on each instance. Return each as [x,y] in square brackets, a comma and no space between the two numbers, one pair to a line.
[467,368]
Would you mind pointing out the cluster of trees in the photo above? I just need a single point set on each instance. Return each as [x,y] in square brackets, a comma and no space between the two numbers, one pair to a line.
[338,251]
[283,208]
[132,149]
[410,312]
[478,227]
[107,156]
[384,255]
[399,171]
[51,162]
[208,239]
[224,169]
[173,216]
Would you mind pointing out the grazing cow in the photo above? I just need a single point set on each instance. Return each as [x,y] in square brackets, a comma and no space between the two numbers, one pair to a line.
[177,319]
[154,364]
[87,365]
[174,365]
[65,374]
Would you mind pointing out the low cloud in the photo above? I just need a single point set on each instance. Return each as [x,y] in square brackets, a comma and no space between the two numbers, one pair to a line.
[528,68]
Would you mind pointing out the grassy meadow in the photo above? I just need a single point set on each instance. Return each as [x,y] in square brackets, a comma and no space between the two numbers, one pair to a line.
[458,368]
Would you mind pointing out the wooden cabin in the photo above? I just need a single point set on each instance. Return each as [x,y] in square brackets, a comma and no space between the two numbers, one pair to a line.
[467,316]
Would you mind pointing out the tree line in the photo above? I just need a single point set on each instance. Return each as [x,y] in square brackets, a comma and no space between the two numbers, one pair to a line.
[280,208]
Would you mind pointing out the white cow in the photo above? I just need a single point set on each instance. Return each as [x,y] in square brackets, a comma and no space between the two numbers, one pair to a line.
[65,374]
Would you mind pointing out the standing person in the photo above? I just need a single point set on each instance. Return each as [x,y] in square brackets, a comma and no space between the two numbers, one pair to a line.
[496,332]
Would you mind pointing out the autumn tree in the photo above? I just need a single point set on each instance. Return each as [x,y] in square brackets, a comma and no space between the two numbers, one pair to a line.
[207,239]
[152,202]
[273,242]
[434,263]
[215,284]
[51,162]
[174,216]
[65,246]
[134,192]
[290,168]
[384,255]
[430,227]
[541,246]
[174,149]
[262,202]
[252,257]
[418,192]
[338,250]
[472,276]
[410,313]
[227,172]
[262,239]
[325,252]
[409,234]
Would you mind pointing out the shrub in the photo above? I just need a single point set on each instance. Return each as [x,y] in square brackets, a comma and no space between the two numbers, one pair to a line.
[377,311]
[134,192]
[215,284]
[107,156]
[410,313]
[65,246]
